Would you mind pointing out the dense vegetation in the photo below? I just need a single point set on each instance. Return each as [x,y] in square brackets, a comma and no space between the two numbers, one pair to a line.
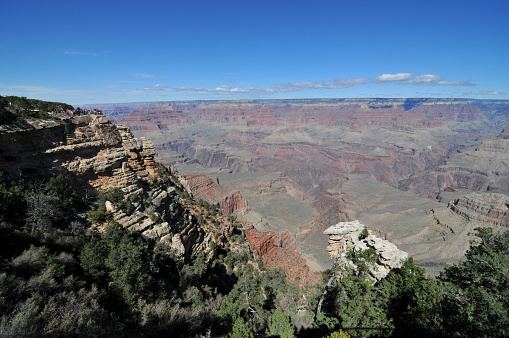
[58,278]
[15,109]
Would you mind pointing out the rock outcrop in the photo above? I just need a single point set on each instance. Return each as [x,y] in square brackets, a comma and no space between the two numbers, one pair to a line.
[203,188]
[101,155]
[489,208]
[141,152]
[279,250]
[347,236]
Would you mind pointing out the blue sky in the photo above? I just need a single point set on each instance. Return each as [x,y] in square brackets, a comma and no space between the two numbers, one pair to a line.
[130,51]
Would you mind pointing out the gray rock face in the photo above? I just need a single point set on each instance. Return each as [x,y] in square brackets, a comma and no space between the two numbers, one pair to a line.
[489,208]
[346,236]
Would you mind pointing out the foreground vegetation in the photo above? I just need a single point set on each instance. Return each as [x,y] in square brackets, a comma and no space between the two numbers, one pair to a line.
[58,278]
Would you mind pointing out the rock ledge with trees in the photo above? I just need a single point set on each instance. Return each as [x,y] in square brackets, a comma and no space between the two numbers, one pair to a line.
[381,255]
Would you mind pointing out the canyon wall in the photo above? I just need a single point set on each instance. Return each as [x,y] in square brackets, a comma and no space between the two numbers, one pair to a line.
[302,165]
[488,208]
[100,155]
[203,188]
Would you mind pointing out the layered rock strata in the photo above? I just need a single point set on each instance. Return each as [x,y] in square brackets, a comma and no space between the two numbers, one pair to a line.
[318,144]
[346,236]
[489,208]
[482,168]
[102,155]
[203,188]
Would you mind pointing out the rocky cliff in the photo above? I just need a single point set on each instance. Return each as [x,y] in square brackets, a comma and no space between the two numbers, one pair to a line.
[347,236]
[279,250]
[488,208]
[101,155]
[203,188]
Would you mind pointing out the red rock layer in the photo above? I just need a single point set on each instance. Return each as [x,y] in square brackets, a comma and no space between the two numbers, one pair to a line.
[203,188]
[279,250]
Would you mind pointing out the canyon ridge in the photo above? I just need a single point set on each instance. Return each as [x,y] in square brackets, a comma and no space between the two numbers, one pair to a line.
[421,173]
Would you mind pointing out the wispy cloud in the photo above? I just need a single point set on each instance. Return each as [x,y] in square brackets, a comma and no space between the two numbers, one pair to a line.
[394,77]
[27,90]
[487,92]
[333,84]
[224,89]
[420,80]
[435,80]
[337,83]
[143,75]
[47,93]
[74,53]
[157,87]
[279,88]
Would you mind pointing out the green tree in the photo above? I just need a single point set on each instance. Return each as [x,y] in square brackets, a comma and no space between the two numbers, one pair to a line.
[353,300]
[415,302]
[60,187]
[13,202]
[280,325]
[482,281]
[240,329]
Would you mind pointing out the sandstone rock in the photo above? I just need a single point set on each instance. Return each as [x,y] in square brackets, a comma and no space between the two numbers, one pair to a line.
[279,250]
[176,244]
[346,236]
[110,207]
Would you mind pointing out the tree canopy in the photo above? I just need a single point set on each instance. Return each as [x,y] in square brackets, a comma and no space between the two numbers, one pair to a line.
[15,109]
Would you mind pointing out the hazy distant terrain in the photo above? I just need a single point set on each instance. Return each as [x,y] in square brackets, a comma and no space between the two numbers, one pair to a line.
[304,165]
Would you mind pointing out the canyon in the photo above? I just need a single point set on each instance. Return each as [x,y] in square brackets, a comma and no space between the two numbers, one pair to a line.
[293,168]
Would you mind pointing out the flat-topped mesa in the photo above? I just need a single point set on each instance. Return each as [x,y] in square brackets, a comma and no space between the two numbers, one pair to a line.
[346,236]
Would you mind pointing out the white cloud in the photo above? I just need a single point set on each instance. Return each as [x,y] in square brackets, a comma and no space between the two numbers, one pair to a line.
[280,88]
[33,91]
[71,96]
[435,80]
[157,87]
[224,89]
[394,77]
[403,78]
